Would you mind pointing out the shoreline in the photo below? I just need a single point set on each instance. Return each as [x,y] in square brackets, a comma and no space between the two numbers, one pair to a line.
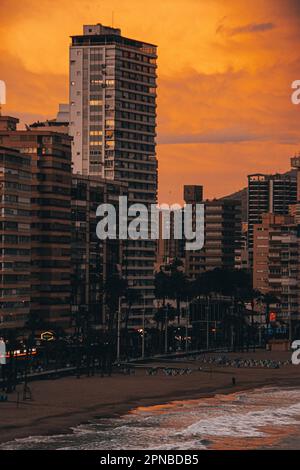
[62,404]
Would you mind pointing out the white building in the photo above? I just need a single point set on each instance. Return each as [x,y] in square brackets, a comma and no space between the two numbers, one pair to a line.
[113,124]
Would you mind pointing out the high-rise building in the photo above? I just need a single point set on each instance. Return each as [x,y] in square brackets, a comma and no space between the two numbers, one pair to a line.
[113,124]
[169,249]
[52,263]
[276,263]
[93,260]
[50,206]
[242,255]
[222,233]
[295,163]
[268,193]
[15,267]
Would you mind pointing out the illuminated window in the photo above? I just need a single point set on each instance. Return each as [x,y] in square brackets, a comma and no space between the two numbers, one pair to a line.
[95,132]
[95,143]
[96,82]
[95,102]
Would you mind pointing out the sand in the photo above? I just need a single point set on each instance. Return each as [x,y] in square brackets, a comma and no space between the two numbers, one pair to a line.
[58,405]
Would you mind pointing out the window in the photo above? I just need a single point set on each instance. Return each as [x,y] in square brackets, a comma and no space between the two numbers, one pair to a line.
[95,102]
[95,132]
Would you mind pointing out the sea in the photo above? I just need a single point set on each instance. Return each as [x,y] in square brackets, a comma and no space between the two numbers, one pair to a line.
[265,418]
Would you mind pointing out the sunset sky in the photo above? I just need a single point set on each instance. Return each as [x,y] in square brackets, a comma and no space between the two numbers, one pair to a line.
[225,72]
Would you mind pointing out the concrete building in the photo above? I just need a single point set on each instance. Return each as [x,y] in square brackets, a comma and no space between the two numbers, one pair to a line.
[52,263]
[50,206]
[113,124]
[92,260]
[295,163]
[242,255]
[58,124]
[276,263]
[222,234]
[268,193]
[168,249]
[15,266]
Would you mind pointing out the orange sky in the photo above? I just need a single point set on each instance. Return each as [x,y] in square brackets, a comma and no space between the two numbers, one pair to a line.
[225,74]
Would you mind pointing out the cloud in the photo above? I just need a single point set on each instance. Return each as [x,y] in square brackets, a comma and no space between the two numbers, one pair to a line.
[228,136]
[246,29]
[230,107]
[224,107]
[31,94]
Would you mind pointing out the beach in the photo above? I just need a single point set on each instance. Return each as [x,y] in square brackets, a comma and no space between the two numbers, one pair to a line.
[59,405]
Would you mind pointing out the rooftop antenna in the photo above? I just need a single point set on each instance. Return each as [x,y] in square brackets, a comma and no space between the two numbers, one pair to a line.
[112,18]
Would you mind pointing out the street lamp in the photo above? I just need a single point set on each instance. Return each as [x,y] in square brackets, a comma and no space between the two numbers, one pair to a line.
[187,326]
[143,335]
[119,329]
[166,328]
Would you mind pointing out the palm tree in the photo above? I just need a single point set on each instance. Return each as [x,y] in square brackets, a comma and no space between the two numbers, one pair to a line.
[231,283]
[178,285]
[172,283]
[132,296]
[162,317]
[35,322]
[234,324]
[115,287]
[162,286]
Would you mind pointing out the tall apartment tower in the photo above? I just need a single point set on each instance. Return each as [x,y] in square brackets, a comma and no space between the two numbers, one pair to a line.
[49,189]
[295,163]
[276,263]
[222,233]
[15,269]
[93,260]
[113,124]
[268,194]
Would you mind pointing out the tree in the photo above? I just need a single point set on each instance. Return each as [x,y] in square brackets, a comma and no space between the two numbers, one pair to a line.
[178,285]
[115,287]
[162,317]
[232,283]
[132,296]
[35,322]
[172,283]
[162,286]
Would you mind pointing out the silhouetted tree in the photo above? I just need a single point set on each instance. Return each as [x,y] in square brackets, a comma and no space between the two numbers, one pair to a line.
[162,317]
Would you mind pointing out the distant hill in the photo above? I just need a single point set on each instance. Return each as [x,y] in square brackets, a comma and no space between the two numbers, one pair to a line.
[242,196]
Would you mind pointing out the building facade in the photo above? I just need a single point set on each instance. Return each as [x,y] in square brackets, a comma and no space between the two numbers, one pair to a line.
[50,213]
[113,124]
[222,234]
[53,266]
[15,267]
[268,193]
[276,263]
[295,163]
[93,261]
